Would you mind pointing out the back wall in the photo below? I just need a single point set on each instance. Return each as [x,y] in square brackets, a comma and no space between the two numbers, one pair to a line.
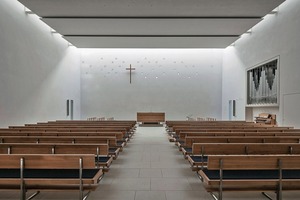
[178,82]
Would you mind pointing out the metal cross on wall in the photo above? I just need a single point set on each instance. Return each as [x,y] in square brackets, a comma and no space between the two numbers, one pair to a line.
[130,70]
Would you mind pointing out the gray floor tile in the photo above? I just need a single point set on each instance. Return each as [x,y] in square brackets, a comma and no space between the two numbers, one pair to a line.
[187,195]
[150,173]
[177,172]
[112,195]
[150,195]
[131,184]
[124,173]
[170,184]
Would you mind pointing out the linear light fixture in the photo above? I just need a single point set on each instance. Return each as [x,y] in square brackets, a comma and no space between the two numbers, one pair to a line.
[28,11]
[275,11]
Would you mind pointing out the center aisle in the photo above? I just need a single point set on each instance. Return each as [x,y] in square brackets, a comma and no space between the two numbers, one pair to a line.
[150,167]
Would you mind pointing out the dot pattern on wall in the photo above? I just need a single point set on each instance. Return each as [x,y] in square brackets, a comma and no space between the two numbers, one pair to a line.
[147,67]
[161,77]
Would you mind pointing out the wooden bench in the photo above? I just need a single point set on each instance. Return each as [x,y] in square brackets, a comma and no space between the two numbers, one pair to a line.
[186,148]
[49,172]
[251,173]
[102,158]
[183,135]
[120,136]
[82,130]
[114,148]
[176,135]
[200,151]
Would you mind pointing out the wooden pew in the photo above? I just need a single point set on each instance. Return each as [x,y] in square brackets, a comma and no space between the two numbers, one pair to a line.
[49,172]
[182,135]
[176,135]
[241,139]
[120,136]
[251,173]
[102,158]
[200,151]
[111,141]
[83,130]
[187,147]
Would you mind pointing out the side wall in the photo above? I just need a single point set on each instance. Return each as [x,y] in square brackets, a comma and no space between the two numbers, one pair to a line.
[180,83]
[38,71]
[276,35]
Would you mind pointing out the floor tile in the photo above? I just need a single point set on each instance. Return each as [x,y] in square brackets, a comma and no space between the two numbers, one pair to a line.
[131,184]
[150,195]
[170,184]
[150,173]
[112,195]
[187,195]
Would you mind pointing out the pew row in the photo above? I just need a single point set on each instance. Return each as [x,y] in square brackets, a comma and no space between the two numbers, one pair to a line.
[49,172]
[251,173]
[114,148]
[200,151]
[187,147]
[121,137]
[100,151]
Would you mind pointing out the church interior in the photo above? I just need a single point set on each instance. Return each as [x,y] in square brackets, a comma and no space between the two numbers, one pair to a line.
[140,99]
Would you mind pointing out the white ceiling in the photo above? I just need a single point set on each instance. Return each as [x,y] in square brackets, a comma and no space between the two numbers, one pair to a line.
[151,23]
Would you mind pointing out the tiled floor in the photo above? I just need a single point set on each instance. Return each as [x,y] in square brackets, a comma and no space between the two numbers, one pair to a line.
[150,168]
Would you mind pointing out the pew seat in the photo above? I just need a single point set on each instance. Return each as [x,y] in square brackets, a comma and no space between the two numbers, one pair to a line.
[251,173]
[102,160]
[200,151]
[25,172]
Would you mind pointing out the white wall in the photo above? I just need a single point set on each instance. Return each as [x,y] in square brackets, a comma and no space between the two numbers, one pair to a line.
[275,35]
[38,71]
[177,82]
